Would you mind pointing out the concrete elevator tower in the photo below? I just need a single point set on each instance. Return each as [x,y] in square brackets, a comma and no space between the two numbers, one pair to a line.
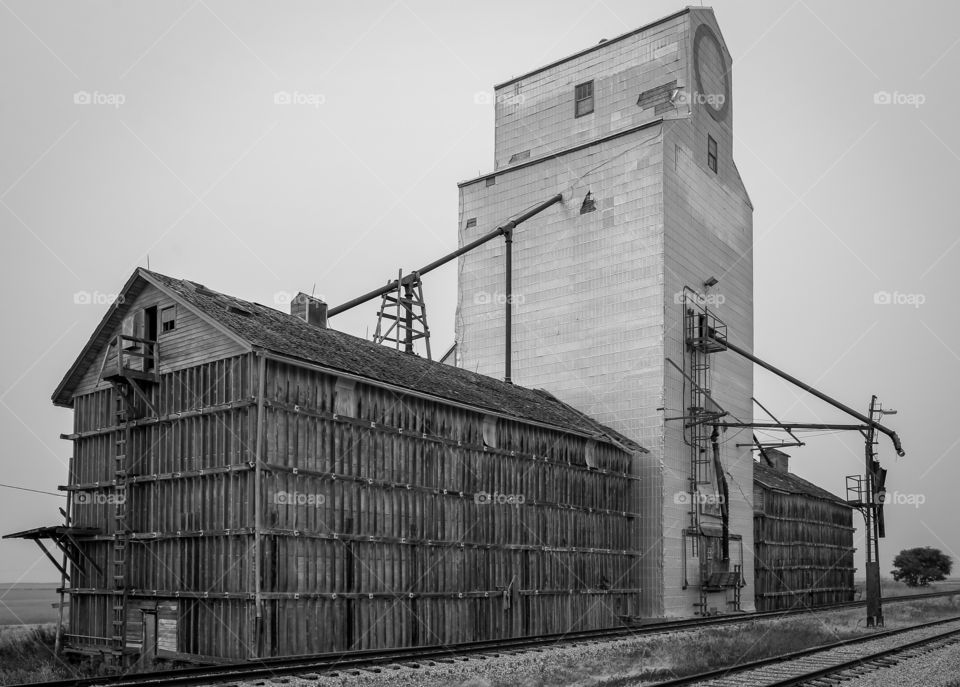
[625,291]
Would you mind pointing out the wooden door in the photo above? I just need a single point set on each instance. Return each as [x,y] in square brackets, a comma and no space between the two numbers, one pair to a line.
[148,651]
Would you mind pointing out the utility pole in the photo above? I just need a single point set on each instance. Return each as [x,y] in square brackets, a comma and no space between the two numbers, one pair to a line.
[871,505]
[874,608]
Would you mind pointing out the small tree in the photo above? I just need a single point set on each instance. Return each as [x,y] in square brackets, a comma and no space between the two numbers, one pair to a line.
[920,566]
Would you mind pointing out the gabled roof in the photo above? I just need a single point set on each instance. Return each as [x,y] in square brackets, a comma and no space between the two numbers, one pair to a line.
[771,478]
[111,322]
[260,327]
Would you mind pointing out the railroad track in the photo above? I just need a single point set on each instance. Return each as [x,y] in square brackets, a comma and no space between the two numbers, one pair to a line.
[831,663]
[374,659]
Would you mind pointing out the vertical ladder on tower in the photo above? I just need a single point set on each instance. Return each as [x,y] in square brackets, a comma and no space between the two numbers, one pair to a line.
[705,335]
[121,437]
[699,410]
[701,330]
[130,364]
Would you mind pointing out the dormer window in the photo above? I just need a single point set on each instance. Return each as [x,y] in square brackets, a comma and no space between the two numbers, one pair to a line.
[583,99]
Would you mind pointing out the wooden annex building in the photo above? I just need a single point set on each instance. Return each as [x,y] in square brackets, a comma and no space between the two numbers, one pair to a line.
[803,539]
[246,482]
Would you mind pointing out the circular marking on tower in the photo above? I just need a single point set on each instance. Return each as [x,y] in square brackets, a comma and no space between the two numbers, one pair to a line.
[712,73]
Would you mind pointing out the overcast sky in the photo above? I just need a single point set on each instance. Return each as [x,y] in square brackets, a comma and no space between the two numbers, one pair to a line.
[178,150]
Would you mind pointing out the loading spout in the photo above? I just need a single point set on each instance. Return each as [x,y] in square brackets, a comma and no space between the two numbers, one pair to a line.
[724,494]
[819,394]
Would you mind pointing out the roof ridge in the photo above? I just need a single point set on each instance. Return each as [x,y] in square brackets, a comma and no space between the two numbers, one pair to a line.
[772,474]
[270,329]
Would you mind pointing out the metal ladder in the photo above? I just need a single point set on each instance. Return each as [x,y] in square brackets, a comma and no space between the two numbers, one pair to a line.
[700,329]
[701,461]
[121,529]
[698,411]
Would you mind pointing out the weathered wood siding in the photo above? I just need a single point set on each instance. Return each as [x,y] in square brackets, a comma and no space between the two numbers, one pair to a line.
[190,505]
[804,550]
[192,341]
[379,533]
[388,520]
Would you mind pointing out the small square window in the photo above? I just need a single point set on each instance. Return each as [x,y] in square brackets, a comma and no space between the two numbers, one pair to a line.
[711,154]
[168,319]
[583,99]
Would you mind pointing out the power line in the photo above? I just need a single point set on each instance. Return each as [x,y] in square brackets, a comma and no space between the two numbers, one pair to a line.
[35,491]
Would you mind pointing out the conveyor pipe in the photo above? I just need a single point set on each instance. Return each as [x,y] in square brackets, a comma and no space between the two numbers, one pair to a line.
[499,231]
[819,394]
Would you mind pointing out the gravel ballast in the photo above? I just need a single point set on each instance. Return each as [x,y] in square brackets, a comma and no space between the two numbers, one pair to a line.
[641,659]
[940,668]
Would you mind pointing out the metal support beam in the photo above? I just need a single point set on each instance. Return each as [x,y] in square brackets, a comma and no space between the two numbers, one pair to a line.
[508,312]
[775,419]
[761,448]
[794,425]
[819,394]
[408,317]
[872,538]
[499,231]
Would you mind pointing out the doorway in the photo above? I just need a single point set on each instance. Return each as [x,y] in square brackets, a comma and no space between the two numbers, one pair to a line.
[148,651]
[151,329]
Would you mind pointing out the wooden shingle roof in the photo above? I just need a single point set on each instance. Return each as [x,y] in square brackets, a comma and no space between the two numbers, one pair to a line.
[280,333]
[778,480]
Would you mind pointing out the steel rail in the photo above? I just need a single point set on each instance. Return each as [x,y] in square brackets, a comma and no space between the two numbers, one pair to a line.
[721,673]
[863,661]
[347,660]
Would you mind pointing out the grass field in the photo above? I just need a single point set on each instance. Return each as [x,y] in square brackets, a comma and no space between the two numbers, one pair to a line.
[26,655]
[28,603]
[890,588]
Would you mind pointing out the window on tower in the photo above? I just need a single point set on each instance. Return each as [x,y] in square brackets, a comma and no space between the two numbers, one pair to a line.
[583,99]
[711,153]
